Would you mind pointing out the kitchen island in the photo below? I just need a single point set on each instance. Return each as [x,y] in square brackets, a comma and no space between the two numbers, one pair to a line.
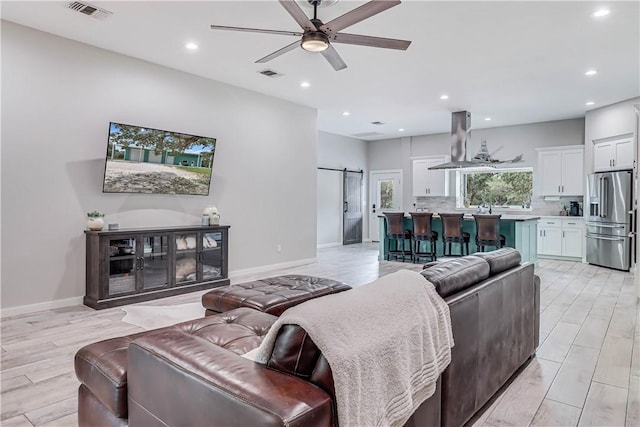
[520,232]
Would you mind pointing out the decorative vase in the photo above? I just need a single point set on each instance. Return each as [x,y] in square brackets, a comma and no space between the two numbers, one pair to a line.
[95,224]
[214,216]
[214,219]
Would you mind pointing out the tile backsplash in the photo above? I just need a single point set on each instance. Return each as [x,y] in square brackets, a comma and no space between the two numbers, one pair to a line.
[539,206]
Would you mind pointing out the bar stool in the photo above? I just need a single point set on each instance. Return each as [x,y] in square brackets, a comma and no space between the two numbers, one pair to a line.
[488,231]
[397,233]
[452,232]
[423,232]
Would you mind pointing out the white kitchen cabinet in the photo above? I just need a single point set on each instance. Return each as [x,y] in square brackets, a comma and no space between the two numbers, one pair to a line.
[572,237]
[613,154]
[430,183]
[561,171]
[549,237]
[561,237]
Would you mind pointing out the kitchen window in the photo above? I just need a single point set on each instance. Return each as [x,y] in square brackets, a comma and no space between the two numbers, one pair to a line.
[497,188]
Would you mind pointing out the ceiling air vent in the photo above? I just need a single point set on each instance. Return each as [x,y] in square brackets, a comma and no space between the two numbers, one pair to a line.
[270,73]
[377,123]
[89,10]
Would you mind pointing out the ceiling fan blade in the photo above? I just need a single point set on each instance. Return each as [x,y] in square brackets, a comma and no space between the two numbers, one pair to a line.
[301,18]
[358,14]
[256,30]
[334,59]
[370,41]
[279,52]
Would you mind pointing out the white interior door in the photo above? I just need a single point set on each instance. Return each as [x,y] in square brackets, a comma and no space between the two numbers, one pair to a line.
[385,195]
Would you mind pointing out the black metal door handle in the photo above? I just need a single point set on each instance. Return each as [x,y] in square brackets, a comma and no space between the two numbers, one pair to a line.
[346,206]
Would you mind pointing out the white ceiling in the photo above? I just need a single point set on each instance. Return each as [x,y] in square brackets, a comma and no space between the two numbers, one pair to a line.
[516,62]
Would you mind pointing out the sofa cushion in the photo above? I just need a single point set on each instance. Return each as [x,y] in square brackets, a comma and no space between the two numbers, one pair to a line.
[500,260]
[455,275]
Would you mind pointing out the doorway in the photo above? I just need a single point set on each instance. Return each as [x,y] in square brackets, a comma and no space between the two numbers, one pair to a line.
[340,207]
[385,195]
[352,202]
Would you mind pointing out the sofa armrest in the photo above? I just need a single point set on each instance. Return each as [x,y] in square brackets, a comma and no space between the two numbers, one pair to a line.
[180,379]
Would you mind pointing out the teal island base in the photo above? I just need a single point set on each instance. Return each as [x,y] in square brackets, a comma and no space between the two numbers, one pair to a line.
[520,231]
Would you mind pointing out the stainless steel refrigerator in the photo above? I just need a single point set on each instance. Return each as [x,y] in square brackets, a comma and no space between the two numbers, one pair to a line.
[609,219]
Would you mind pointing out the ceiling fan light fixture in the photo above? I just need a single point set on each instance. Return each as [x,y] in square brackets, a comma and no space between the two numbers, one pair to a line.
[315,41]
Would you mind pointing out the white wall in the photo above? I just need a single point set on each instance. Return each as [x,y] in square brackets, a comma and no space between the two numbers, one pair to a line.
[338,152]
[507,142]
[385,154]
[395,154]
[58,97]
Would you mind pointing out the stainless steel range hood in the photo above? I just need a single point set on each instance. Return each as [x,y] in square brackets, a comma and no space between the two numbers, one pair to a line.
[460,128]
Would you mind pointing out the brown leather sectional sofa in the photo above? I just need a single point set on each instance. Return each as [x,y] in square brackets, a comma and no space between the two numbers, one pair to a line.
[191,374]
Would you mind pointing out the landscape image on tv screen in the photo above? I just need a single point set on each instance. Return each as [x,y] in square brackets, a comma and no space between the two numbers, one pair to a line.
[145,160]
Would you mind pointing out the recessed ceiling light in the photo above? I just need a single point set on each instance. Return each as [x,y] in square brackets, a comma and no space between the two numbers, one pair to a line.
[346,113]
[444,96]
[487,119]
[191,46]
[401,130]
[589,103]
[304,84]
[601,12]
[591,73]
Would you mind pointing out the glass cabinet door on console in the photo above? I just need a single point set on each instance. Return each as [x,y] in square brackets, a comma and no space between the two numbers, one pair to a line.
[199,257]
[154,266]
[211,265]
[137,263]
[187,256]
[122,266]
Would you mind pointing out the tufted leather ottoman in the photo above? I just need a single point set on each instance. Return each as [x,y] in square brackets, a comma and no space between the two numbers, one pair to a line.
[273,295]
[102,367]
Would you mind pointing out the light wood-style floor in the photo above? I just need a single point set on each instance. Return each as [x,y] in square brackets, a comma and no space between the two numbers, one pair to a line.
[586,373]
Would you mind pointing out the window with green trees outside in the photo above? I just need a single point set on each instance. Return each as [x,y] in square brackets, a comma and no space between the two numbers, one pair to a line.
[499,188]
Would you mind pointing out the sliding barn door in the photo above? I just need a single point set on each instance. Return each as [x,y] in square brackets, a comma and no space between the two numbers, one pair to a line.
[352,207]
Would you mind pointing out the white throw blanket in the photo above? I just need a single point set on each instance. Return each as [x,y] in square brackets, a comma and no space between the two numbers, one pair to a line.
[386,342]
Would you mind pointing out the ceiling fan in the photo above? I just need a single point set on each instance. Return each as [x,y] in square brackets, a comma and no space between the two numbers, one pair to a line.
[318,36]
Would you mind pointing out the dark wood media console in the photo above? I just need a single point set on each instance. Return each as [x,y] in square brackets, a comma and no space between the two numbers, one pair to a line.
[132,265]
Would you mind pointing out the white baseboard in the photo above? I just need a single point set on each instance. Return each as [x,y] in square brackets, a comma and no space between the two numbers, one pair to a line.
[265,268]
[367,241]
[329,245]
[32,308]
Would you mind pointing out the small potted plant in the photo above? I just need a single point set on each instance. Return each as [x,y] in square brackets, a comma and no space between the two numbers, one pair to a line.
[95,221]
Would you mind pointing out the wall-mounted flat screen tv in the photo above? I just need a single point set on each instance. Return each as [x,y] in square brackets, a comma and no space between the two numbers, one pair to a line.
[146,160]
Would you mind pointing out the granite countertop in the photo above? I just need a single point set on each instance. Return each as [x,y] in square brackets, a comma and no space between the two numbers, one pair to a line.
[505,217]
